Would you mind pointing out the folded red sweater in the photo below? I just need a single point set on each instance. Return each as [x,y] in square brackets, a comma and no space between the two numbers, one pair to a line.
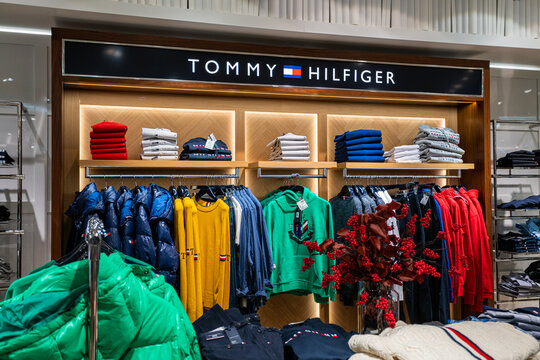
[108,150]
[108,126]
[111,156]
[107,146]
[94,135]
[108,141]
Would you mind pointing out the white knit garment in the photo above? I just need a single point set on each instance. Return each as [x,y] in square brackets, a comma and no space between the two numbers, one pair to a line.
[499,340]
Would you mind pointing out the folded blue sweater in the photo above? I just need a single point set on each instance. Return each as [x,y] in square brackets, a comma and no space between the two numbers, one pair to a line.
[370,146]
[359,152]
[362,140]
[350,135]
[361,159]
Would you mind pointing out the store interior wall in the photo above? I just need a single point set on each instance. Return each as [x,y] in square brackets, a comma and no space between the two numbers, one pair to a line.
[24,76]
[515,93]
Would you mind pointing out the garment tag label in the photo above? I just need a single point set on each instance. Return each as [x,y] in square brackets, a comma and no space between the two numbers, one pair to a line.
[424,200]
[302,205]
[216,334]
[210,142]
[234,336]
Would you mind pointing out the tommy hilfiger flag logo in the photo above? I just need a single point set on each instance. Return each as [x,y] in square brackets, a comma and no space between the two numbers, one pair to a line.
[294,72]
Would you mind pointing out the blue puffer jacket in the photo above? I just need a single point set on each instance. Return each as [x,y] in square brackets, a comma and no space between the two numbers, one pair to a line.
[161,220]
[144,244]
[110,219]
[87,203]
[126,224]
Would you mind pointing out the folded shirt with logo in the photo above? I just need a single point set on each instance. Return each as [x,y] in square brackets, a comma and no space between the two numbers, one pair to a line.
[107,146]
[109,127]
[358,141]
[119,140]
[109,150]
[426,132]
[158,144]
[95,135]
[441,159]
[159,157]
[158,133]
[438,152]
[356,134]
[289,147]
[425,144]
[520,158]
[364,145]
[108,141]
[196,149]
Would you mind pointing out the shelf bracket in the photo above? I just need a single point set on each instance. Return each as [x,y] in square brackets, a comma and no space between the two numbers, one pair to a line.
[292,175]
[88,175]
[346,175]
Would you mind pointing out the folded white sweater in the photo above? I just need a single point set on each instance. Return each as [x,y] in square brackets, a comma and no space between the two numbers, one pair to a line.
[155,142]
[148,133]
[163,157]
[160,148]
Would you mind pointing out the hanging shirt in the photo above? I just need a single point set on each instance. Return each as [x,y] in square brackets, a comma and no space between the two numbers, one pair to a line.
[214,237]
[194,305]
[180,243]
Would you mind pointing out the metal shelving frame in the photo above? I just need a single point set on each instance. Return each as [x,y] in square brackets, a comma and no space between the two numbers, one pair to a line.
[19,177]
[500,256]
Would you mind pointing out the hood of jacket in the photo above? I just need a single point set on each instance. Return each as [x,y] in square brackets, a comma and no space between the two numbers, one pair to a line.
[109,195]
[87,201]
[142,197]
[124,202]
[162,205]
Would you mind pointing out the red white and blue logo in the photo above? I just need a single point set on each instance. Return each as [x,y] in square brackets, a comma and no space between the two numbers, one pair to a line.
[292,72]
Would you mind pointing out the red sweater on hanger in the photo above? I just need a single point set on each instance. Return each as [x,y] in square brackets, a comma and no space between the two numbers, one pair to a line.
[109,126]
[487,269]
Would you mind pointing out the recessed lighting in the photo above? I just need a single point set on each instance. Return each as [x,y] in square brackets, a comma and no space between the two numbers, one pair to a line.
[499,102]
[8,79]
[527,91]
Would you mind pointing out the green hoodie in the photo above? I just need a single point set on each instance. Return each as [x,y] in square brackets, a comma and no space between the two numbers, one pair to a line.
[139,315]
[288,277]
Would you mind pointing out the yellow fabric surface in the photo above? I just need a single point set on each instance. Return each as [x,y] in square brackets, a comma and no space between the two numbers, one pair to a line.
[194,283]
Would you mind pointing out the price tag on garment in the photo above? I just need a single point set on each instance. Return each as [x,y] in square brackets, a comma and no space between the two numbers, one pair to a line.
[234,336]
[302,205]
[210,142]
[424,200]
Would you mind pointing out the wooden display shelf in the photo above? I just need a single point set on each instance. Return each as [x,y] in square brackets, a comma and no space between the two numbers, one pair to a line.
[164,164]
[278,164]
[404,166]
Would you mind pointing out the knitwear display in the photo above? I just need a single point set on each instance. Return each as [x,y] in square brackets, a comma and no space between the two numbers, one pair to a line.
[158,144]
[290,147]
[108,141]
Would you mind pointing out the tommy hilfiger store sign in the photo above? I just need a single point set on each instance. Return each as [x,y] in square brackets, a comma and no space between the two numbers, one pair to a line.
[110,60]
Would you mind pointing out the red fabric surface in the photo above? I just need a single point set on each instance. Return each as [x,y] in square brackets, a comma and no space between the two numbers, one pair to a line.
[470,280]
[107,146]
[94,135]
[119,140]
[109,150]
[110,156]
[109,126]
[458,237]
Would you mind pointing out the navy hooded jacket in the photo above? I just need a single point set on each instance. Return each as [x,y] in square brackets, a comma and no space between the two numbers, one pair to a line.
[87,203]
[110,219]
[144,244]
[126,224]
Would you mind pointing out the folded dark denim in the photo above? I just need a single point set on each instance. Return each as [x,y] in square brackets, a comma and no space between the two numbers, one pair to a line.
[532,202]
[355,134]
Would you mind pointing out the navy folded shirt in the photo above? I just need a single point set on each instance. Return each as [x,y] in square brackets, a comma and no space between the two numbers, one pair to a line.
[360,133]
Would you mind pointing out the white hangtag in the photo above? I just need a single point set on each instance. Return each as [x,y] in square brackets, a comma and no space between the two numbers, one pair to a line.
[302,205]
[424,199]
[210,142]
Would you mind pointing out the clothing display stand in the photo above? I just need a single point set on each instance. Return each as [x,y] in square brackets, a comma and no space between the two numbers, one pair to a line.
[252,112]
[19,177]
[499,256]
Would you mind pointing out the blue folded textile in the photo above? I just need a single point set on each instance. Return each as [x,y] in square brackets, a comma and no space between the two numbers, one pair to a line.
[350,135]
[370,146]
[359,152]
[204,156]
[532,202]
[362,140]
[361,159]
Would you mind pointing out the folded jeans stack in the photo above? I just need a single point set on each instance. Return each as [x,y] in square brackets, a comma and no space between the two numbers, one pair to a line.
[530,228]
[108,141]
[359,146]
[520,158]
[518,243]
[403,154]
[526,319]
[200,149]
[290,147]
[159,144]
[438,145]
[532,202]
[518,285]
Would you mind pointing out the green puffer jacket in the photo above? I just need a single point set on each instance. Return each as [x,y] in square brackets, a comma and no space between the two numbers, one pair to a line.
[45,315]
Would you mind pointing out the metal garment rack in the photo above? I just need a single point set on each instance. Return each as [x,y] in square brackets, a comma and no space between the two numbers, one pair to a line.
[87,174]
[497,258]
[19,177]
[292,175]
[346,175]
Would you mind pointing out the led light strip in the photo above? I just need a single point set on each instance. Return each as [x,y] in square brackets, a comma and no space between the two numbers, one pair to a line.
[23,30]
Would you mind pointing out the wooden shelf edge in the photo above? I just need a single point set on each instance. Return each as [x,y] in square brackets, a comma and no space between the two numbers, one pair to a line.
[293,164]
[405,166]
[108,164]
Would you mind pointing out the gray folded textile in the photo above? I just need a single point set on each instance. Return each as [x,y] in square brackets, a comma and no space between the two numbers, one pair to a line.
[167,134]
[437,159]
[437,134]
[160,148]
[160,153]
[446,146]
[287,158]
[162,157]
[155,142]
[438,153]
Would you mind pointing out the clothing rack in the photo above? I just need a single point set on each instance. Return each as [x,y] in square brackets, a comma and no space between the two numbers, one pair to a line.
[446,176]
[87,174]
[292,175]
[94,236]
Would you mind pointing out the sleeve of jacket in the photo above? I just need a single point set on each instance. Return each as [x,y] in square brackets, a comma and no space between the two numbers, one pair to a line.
[330,235]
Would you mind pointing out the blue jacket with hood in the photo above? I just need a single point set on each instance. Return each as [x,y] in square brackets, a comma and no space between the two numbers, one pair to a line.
[110,219]
[87,203]
[144,244]
[126,223]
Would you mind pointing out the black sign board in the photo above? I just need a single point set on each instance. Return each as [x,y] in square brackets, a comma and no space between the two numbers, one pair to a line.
[95,59]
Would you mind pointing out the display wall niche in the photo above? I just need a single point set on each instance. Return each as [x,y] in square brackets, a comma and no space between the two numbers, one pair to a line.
[247,118]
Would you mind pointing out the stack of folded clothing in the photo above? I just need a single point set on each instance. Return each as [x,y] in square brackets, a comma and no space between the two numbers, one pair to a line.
[290,147]
[159,144]
[403,154]
[530,228]
[108,141]
[438,145]
[201,149]
[520,158]
[5,159]
[537,156]
[526,319]
[518,285]
[518,243]
[359,145]
[532,202]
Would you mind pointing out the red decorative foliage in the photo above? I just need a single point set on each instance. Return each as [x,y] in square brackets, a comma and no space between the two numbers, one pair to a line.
[368,253]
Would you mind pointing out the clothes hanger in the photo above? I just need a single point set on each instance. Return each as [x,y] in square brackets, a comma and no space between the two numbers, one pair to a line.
[207,193]
[172,190]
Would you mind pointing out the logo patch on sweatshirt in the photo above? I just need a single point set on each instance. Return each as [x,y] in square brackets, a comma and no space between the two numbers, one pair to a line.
[222,257]
[305,227]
